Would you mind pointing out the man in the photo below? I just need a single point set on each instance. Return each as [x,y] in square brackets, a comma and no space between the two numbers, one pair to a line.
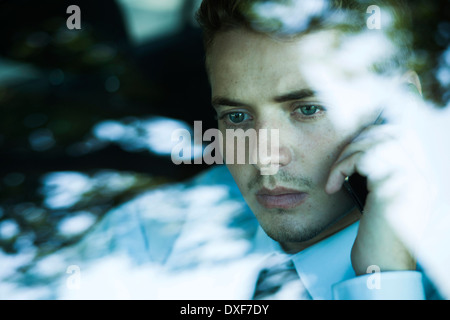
[300,67]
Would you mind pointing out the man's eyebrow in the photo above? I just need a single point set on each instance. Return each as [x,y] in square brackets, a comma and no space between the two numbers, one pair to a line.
[222,101]
[295,95]
[290,96]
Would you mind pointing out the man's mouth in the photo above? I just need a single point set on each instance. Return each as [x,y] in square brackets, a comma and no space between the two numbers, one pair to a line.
[280,197]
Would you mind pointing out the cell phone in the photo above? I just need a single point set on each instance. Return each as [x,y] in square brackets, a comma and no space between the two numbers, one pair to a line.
[356,184]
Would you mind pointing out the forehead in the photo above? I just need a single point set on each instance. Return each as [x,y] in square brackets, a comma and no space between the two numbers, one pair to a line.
[254,68]
[240,61]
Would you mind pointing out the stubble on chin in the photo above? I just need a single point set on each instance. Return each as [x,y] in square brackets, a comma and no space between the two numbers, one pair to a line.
[292,230]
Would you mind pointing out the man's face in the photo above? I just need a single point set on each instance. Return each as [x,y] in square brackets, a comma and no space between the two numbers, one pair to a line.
[260,83]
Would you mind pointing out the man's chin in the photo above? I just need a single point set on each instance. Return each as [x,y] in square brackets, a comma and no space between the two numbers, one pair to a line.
[288,230]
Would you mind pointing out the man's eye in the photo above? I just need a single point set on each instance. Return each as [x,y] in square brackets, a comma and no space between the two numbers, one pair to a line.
[237,117]
[309,110]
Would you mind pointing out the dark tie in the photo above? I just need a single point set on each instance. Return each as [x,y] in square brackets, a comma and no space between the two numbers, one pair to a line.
[279,280]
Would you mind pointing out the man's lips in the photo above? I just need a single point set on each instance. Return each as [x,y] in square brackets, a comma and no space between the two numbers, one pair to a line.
[280,197]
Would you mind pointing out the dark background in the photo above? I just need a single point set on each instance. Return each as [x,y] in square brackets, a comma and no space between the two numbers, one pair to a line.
[162,77]
[68,93]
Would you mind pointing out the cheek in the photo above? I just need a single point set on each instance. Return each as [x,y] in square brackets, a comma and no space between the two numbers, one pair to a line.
[321,152]
[241,175]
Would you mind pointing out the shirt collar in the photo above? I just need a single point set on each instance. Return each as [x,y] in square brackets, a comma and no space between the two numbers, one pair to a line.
[326,262]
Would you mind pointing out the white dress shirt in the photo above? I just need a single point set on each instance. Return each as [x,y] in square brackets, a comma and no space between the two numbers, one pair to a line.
[326,272]
[199,240]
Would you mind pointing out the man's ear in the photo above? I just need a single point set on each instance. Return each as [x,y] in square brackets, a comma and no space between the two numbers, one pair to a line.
[411,77]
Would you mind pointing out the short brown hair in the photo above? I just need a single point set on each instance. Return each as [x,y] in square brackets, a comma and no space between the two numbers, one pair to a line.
[221,15]
[215,16]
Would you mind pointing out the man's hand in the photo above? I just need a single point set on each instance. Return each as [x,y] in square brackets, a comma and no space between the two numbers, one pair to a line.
[388,156]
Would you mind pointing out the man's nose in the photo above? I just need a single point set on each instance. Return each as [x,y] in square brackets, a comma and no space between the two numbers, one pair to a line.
[271,152]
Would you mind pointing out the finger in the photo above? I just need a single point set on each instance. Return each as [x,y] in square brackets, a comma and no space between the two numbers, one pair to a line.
[367,139]
[340,171]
